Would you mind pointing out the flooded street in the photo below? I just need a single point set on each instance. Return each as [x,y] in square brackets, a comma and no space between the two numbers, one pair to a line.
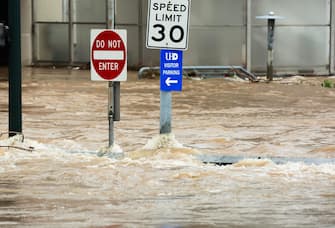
[64,183]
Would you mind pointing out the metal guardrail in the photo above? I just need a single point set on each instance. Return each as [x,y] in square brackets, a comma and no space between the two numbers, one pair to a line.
[207,72]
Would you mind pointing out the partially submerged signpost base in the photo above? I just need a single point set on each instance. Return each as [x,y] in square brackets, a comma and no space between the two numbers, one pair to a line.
[165,112]
[167,30]
[109,63]
[171,79]
[113,108]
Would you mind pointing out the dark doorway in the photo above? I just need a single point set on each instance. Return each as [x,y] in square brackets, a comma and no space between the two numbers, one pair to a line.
[4,19]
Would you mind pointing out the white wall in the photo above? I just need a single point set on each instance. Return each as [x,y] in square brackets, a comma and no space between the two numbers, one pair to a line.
[26,36]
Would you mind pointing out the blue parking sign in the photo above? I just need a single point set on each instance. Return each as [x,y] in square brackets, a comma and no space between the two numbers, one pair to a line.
[171,70]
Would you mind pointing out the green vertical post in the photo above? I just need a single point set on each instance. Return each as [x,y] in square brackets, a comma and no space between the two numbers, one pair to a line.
[14,68]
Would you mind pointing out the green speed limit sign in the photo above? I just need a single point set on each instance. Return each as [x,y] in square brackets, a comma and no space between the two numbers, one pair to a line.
[168,24]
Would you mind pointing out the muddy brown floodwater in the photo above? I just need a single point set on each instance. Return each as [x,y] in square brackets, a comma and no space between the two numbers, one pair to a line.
[63,183]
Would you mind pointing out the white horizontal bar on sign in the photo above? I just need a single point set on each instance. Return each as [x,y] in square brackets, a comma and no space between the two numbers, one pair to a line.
[108,55]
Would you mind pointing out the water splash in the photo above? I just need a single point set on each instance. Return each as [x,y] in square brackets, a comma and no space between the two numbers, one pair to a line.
[163,141]
[15,142]
[114,151]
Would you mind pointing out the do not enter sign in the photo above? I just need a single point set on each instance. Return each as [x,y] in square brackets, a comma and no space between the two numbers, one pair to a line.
[108,55]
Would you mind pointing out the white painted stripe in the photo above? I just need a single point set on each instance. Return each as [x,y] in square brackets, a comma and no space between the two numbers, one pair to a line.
[108,55]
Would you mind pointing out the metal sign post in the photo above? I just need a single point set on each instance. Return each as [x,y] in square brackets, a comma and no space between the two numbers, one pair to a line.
[111,25]
[165,113]
[113,87]
[168,28]
[109,63]
[171,79]
[113,109]
[271,18]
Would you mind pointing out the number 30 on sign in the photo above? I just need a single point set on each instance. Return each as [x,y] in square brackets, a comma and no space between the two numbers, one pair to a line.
[168,24]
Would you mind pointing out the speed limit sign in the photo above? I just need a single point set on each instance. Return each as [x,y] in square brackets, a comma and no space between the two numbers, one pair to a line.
[168,24]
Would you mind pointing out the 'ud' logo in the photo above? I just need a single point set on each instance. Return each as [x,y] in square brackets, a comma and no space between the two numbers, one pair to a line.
[171,56]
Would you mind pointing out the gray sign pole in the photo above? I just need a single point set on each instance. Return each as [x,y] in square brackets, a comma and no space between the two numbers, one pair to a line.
[110,115]
[163,33]
[113,87]
[165,112]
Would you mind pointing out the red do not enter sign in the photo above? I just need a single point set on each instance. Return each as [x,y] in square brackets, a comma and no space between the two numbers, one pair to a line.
[108,55]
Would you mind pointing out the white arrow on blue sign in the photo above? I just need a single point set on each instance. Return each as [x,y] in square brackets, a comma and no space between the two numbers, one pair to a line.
[171,70]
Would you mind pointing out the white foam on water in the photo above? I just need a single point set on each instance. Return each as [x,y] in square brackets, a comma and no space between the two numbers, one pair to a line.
[113,151]
[302,169]
[17,147]
[163,141]
[164,151]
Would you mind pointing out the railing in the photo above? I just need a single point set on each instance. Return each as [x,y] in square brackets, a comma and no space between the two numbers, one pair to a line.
[208,72]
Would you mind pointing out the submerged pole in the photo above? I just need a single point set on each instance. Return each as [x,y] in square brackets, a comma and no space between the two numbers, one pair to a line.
[114,109]
[113,87]
[165,112]
[14,68]
[110,115]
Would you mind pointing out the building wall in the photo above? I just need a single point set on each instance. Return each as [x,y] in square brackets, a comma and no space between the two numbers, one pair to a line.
[26,33]
[223,32]
[302,38]
[220,29]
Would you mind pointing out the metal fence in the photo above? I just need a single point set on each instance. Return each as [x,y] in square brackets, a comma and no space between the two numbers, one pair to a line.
[223,32]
